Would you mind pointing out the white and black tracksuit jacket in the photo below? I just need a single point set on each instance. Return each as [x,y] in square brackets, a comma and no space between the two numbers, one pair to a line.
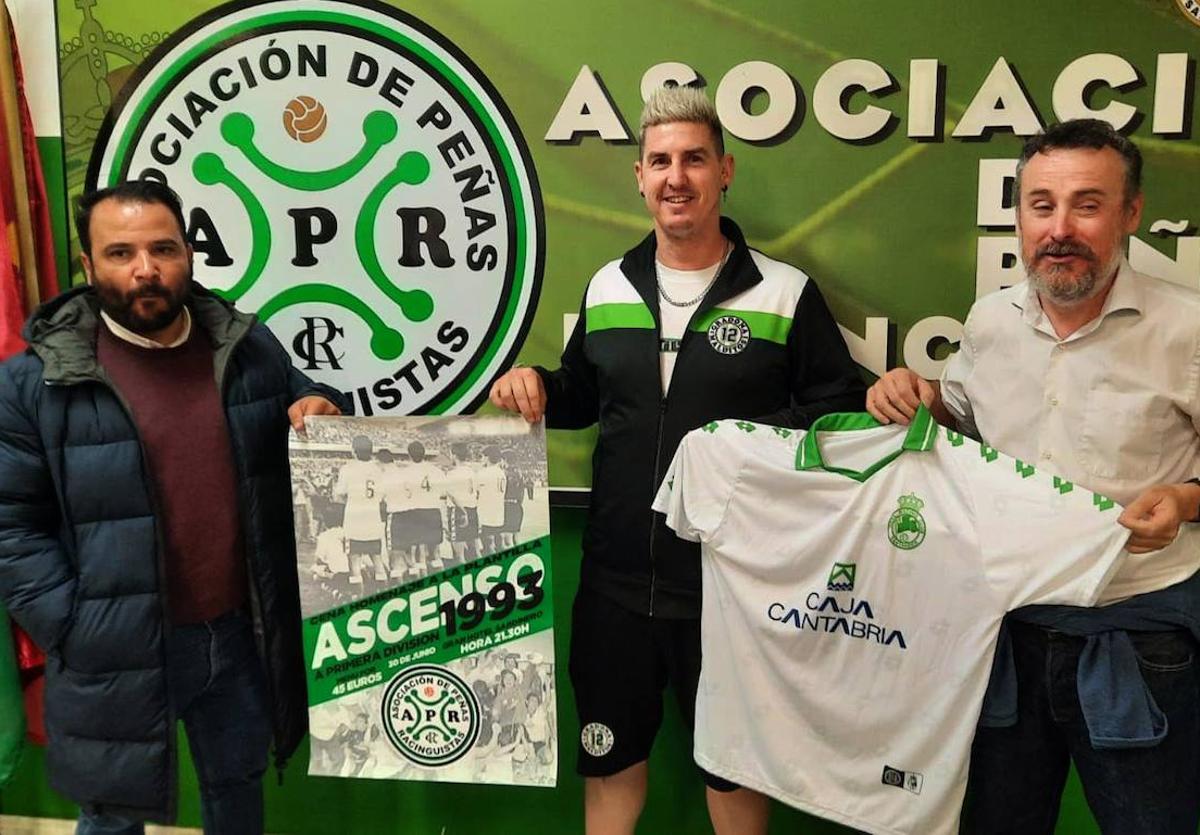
[762,345]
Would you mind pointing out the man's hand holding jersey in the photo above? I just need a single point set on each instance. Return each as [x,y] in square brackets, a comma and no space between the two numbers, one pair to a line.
[1153,518]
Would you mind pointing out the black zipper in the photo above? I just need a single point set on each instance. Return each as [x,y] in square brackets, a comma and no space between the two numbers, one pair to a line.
[662,411]
[662,414]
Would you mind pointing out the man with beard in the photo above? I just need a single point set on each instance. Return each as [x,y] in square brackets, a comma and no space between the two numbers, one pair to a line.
[146,525]
[689,326]
[1091,371]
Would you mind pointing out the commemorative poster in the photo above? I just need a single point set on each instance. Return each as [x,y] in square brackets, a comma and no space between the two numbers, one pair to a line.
[424,559]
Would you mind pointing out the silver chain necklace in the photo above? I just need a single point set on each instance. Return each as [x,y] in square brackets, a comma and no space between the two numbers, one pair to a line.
[662,291]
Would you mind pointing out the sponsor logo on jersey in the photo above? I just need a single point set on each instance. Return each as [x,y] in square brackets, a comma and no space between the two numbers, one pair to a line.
[430,715]
[729,335]
[831,615]
[841,577]
[597,739]
[910,781]
[906,527]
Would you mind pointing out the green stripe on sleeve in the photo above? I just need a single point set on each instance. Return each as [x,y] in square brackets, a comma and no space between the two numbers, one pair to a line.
[605,317]
[769,326]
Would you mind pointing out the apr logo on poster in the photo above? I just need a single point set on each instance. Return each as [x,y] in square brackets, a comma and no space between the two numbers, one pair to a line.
[430,715]
[354,179]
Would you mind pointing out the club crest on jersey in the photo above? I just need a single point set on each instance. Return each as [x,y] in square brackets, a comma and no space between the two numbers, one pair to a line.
[729,335]
[597,739]
[906,527]
[841,577]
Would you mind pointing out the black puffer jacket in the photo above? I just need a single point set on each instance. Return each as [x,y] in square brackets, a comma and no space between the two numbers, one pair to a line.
[80,557]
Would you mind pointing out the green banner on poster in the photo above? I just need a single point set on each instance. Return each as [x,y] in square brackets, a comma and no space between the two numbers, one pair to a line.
[445,615]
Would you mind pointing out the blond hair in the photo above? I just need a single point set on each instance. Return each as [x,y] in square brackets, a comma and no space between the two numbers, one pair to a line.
[680,104]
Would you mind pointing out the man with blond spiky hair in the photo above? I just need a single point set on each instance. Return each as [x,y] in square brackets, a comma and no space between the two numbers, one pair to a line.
[689,326]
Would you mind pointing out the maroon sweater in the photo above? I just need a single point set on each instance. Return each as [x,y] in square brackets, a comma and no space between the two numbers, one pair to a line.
[177,410]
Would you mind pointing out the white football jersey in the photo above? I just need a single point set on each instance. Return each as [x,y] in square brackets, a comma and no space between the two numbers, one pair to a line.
[460,485]
[413,485]
[855,577]
[331,550]
[426,484]
[360,485]
[490,481]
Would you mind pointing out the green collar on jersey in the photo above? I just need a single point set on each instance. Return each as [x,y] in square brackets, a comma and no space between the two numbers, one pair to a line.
[922,433]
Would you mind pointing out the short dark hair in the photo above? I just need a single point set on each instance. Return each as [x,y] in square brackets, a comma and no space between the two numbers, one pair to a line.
[1085,133]
[130,191]
[361,446]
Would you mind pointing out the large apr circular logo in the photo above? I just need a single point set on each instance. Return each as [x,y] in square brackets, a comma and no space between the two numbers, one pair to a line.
[354,179]
[430,715]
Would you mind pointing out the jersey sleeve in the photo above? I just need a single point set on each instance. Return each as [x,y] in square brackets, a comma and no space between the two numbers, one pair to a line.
[699,483]
[1143,573]
[1043,539]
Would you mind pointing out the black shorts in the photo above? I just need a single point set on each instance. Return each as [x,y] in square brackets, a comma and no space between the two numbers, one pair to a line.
[621,662]
[514,516]
[466,524]
[427,526]
[416,526]
[363,547]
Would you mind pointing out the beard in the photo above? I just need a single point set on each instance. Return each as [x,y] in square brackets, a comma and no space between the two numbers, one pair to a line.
[1059,284]
[123,307]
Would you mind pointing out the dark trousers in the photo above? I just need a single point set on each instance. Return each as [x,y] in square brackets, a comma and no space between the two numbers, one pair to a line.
[218,689]
[1017,773]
